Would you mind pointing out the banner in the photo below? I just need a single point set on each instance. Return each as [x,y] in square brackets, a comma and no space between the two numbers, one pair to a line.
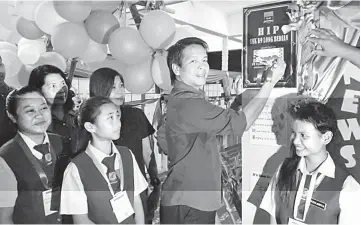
[345,102]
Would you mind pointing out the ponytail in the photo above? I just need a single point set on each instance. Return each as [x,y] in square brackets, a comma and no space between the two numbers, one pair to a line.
[287,178]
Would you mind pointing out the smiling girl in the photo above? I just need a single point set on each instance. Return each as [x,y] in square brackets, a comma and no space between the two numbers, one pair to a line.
[309,187]
[31,164]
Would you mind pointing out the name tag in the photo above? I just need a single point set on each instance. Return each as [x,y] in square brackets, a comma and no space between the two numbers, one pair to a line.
[318,204]
[49,197]
[295,222]
[121,206]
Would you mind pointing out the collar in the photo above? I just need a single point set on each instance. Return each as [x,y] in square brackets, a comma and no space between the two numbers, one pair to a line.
[181,88]
[30,143]
[98,155]
[327,168]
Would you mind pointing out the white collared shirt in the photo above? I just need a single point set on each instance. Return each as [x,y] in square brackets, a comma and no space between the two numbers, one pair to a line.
[31,144]
[350,191]
[73,197]
[9,189]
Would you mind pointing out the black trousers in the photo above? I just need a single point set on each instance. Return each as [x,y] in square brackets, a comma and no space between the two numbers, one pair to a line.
[182,214]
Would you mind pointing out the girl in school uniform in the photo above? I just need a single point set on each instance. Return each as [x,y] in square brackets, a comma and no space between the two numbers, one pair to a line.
[102,184]
[309,187]
[31,164]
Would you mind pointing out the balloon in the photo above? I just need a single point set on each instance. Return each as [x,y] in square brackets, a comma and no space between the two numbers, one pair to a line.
[160,71]
[7,46]
[39,43]
[51,58]
[11,61]
[28,29]
[108,6]
[73,11]
[127,45]
[26,9]
[70,39]
[95,52]
[29,54]
[157,29]
[100,25]
[183,32]
[24,74]
[47,18]
[138,79]
[7,15]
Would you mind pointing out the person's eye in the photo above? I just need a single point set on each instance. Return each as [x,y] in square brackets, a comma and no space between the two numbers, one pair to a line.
[30,111]
[205,60]
[114,87]
[192,61]
[53,85]
[45,108]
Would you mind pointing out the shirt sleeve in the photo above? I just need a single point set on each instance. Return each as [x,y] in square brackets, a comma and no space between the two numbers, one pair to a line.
[202,116]
[349,208]
[8,185]
[73,197]
[144,126]
[140,184]
[268,202]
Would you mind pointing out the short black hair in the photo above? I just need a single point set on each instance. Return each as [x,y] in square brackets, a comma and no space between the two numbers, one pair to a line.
[37,75]
[321,116]
[175,55]
[13,97]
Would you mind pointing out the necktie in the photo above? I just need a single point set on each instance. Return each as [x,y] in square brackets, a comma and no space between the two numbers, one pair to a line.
[302,206]
[46,162]
[44,149]
[112,176]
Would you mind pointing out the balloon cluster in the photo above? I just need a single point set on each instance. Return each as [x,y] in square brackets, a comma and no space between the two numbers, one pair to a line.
[88,31]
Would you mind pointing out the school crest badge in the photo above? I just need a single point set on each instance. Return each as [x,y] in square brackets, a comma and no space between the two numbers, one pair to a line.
[112,176]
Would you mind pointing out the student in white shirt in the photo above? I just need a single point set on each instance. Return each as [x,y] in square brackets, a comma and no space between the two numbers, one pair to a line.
[309,187]
[31,164]
[93,191]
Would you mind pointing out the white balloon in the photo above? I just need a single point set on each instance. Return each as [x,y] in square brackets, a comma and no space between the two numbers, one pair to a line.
[8,16]
[29,54]
[26,9]
[11,61]
[47,18]
[39,43]
[7,46]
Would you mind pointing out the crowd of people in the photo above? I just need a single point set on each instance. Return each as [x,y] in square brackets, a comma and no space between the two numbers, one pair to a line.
[90,167]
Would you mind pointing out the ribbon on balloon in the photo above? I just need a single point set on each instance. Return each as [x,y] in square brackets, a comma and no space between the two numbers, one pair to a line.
[318,75]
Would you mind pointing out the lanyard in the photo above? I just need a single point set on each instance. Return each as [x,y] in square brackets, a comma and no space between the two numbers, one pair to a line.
[39,170]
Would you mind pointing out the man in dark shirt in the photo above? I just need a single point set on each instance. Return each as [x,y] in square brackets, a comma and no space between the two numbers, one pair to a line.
[192,190]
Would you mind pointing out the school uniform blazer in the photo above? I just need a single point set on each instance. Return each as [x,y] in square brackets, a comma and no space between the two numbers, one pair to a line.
[29,207]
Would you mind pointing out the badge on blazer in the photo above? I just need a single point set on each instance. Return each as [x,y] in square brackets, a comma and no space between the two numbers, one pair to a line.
[48,157]
[112,177]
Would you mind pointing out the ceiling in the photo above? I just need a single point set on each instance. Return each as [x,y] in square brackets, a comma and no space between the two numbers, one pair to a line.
[228,7]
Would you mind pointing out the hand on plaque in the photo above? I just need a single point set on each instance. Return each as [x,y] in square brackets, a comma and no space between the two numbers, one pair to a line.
[276,71]
[238,85]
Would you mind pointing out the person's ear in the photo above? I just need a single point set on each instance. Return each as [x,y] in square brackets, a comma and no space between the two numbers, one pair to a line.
[89,127]
[327,137]
[175,69]
[11,117]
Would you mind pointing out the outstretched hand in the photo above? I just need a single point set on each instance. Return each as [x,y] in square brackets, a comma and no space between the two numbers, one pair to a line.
[331,45]
[276,71]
